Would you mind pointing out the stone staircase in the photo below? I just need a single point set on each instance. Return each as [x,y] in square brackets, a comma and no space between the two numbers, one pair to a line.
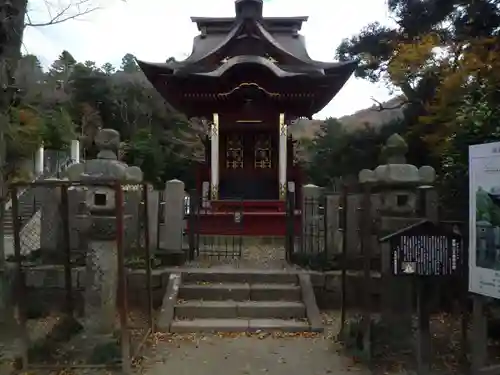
[28,206]
[207,300]
[29,203]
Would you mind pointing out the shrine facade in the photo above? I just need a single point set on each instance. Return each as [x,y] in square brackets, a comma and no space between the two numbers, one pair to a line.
[249,77]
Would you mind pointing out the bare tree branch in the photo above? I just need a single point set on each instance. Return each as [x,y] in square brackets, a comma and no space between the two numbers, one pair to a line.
[70,11]
[48,7]
[381,107]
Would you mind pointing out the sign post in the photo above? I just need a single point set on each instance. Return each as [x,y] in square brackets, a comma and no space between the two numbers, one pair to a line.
[424,251]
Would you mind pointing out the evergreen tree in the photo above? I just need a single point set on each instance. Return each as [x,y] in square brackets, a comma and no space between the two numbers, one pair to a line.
[129,65]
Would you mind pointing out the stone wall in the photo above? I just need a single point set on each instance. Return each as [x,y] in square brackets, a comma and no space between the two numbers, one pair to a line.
[46,287]
[327,288]
[352,237]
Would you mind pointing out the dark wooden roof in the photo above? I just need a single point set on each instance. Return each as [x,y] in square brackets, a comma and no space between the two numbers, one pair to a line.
[234,49]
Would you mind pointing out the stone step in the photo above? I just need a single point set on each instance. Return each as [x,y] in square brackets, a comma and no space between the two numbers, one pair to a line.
[240,292]
[244,309]
[238,276]
[238,325]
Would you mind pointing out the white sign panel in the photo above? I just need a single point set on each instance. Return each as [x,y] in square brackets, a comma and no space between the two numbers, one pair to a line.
[484,219]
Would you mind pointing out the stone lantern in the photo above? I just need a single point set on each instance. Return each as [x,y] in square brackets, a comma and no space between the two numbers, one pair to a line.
[400,178]
[397,184]
[97,222]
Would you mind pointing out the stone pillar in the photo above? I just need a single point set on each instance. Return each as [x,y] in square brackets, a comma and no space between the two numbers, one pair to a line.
[214,161]
[39,161]
[51,228]
[334,236]
[75,151]
[101,286]
[310,219]
[152,212]
[101,276]
[174,216]
[133,208]
[76,208]
[282,156]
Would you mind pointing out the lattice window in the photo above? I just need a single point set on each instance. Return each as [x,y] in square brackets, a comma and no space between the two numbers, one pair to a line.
[263,151]
[234,153]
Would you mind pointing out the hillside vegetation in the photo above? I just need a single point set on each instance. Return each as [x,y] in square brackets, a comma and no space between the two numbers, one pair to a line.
[372,117]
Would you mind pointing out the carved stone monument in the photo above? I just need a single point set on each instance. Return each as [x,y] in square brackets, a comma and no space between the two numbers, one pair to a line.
[99,225]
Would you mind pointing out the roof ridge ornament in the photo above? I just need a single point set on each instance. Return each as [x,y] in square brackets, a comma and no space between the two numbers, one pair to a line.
[248,9]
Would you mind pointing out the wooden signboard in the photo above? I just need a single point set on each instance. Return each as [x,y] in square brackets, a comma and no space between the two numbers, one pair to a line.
[425,249]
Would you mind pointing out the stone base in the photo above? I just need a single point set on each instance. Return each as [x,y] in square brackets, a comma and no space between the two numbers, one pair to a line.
[46,290]
[171,258]
[238,325]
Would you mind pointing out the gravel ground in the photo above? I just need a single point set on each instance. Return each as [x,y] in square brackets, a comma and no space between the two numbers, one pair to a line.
[253,256]
[250,355]
[259,353]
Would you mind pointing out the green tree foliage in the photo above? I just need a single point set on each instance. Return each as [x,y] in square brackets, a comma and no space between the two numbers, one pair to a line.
[22,139]
[58,130]
[337,153]
[62,68]
[129,64]
[443,55]
[146,151]
[75,99]
[477,122]
[430,56]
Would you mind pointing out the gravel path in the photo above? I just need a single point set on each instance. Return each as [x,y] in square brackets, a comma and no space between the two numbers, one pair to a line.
[284,354]
[250,355]
[253,256]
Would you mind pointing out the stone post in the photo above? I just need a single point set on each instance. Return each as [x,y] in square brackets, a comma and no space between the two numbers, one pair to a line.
[152,212]
[334,236]
[398,183]
[311,242]
[76,207]
[51,236]
[172,238]
[135,211]
[39,161]
[75,151]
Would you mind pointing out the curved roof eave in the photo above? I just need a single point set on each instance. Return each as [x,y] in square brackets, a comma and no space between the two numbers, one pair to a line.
[151,69]
[332,68]
[331,93]
[257,60]
[234,31]
[324,65]
[174,65]
[178,66]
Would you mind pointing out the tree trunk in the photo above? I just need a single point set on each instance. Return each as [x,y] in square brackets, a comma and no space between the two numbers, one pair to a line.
[12,14]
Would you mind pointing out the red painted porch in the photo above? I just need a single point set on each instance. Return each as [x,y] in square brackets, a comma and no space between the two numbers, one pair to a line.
[246,218]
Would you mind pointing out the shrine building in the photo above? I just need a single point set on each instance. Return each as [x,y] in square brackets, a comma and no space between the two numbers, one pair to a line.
[250,76]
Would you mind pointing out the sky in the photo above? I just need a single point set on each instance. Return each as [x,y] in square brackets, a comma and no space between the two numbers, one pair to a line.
[154,30]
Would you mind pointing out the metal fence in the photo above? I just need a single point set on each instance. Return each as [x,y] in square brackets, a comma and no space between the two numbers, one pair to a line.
[212,234]
[310,234]
[72,294]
